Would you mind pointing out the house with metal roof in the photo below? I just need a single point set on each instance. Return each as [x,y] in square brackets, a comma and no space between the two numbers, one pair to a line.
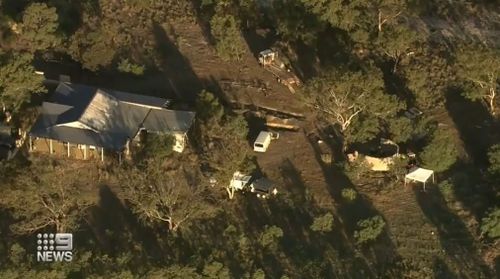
[84,122]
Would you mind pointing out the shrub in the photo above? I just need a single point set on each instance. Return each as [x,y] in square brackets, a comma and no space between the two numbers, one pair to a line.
[356,169]
[228,41]
[270,236]
[494,159]
[369,229]
[447,190]
[158,146]
[490,224]
[323,223]
[349,194]
[125,66]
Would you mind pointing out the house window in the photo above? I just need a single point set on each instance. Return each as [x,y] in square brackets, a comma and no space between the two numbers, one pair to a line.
[91,147]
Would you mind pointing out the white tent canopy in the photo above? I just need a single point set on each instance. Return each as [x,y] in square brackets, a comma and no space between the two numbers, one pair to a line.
[420,175]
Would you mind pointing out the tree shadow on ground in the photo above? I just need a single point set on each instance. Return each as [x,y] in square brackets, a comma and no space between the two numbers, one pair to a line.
[306,245]
[441,270]
[381,255]
[455,239]
[177,69]
[203,20]
[259,40]
[477,129]
[113,224]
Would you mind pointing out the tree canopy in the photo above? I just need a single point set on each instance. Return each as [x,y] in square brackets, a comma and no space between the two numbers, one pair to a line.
[441,152]
[354,100]
[479,69]
[171,197]
[57,199]
[39,28]
[18,80]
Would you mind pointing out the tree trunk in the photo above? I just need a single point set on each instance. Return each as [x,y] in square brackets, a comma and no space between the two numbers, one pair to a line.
[230,192]
[380,21]
[492,99]
[396,62]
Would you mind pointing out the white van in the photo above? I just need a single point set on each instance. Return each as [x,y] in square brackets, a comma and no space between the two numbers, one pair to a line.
[262,142]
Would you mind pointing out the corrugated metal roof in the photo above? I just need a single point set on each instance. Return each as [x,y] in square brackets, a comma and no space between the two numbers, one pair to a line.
[168,120]
[111,116]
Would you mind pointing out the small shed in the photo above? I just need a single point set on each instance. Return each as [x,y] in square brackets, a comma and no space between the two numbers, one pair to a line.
[420,175]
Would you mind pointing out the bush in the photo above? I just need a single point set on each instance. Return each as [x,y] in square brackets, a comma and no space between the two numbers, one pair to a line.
[490,224]
[323,223]
[356,169]
[270,236]
[447,190]
[228,41]
[349,194]
[494,159]
[369,229]
[441,152]
[125,66]
[158,146]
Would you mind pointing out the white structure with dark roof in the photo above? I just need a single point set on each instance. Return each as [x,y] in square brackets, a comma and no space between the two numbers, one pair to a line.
[89,117]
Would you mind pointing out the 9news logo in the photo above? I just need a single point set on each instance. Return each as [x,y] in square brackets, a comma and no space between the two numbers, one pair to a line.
[54,247]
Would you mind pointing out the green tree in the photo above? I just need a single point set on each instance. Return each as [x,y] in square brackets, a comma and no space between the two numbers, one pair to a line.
[208,108]
[157,146]
[494,159]
[172,197]
[401,129]
[361,19]
[490,225]
[427,75]
[259,274]
[270,236]
[18,80]
[479,69]
[398,42]
[57,199]
[323,223]
[110,29]
[216,270]
[222,140]
[354,100]
[94,49]
[388,12]
[174,272]
[441,152]
[294,23]
[39,28]
[369,229]
[350,16]
[228,41]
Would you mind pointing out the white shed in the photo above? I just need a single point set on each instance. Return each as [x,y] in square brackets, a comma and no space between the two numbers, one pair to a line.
[419,175]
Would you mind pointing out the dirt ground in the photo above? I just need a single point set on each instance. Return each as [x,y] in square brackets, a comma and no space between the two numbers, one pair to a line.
[420,227]
[209,68]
